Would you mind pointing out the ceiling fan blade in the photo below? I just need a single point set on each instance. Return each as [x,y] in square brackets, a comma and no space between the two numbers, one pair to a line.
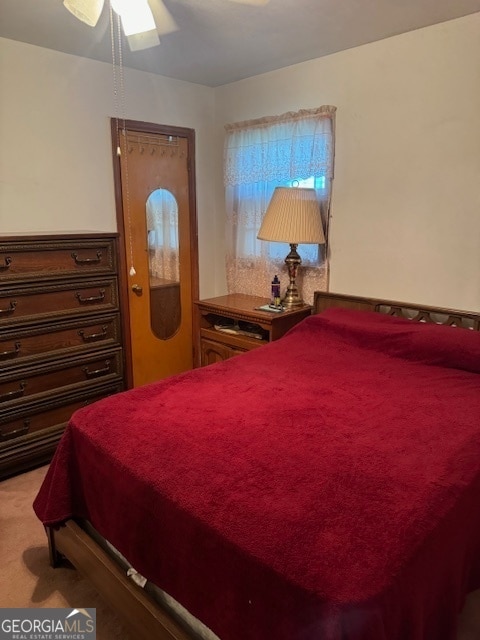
[87,11]
[163,18]
[255,3]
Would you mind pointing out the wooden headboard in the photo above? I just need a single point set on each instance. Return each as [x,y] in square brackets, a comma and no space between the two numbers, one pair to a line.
[466,319]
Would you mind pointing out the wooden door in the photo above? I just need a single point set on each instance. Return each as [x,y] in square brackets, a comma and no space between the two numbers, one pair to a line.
[155,194]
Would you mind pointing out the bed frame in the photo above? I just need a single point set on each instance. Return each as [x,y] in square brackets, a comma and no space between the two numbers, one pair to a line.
[416,312]
[141,613]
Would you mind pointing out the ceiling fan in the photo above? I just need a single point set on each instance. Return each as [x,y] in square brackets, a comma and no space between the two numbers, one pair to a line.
[143,21]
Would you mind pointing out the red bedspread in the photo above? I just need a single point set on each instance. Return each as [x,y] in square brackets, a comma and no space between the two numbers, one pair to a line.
[323,487]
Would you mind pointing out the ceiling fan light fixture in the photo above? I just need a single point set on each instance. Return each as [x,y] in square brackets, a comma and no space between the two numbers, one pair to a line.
[136,16]
[143,40]
[88,11]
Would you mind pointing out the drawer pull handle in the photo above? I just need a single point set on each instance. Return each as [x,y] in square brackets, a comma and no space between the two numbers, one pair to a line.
[4,355]
[11,395]
[10,309]
[94,299]
[97,372]
[93,336]
[6,263]
[87,260]
[8,435]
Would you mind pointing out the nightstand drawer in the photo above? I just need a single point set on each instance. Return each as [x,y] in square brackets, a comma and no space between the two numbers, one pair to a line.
[212,352]
[59,258]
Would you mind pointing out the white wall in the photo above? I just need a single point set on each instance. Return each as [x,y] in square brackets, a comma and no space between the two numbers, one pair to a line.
[406,196]
[56,170]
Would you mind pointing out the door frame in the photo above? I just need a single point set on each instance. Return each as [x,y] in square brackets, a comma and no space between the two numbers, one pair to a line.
[117,128]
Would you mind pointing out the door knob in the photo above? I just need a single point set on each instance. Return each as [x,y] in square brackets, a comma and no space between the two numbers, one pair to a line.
[136,288]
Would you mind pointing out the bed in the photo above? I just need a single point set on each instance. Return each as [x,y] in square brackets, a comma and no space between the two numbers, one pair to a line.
[322,487]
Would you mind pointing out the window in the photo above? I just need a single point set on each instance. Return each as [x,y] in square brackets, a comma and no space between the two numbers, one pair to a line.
[259,156]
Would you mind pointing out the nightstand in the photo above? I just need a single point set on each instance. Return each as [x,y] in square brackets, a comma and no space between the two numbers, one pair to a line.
[232,324]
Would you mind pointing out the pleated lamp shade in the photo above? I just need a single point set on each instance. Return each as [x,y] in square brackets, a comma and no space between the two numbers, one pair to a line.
[293,216]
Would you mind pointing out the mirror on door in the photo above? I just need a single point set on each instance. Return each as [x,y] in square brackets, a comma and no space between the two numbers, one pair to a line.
[163,260]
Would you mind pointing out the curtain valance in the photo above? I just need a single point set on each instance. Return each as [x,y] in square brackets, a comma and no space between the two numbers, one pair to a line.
[276,148]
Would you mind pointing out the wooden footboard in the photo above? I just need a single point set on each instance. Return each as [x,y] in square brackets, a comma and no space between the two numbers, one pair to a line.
[141,614]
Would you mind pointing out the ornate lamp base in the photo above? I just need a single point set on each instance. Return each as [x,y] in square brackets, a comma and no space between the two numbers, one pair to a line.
[292,296]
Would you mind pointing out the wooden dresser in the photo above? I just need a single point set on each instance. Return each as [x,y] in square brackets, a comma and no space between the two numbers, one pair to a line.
[60,338]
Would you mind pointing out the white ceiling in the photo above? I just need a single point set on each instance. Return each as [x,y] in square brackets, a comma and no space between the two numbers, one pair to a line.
[219,42]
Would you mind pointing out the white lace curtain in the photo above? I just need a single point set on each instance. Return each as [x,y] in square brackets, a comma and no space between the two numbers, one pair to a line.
[259,156]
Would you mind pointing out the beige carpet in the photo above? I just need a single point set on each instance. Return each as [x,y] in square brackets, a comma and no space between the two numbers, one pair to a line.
[27,580]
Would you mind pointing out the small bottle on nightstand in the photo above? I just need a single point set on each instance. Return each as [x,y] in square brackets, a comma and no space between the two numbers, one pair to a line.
[275,297]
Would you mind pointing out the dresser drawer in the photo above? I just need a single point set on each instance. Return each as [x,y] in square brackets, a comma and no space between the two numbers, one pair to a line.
[32,303]
[56,258]
[57,413]
[52,340]
[23,384]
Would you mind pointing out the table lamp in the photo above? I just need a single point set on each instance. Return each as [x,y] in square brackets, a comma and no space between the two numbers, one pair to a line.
[292,216]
